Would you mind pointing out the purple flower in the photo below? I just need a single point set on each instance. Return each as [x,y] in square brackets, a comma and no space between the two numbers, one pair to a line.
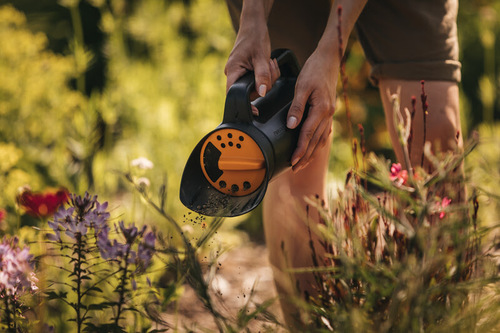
[84,213]
[145,250]
[113,249]
[131,233]
[75,229]
[98,217]
[83,204]
[56,237]
[109,250]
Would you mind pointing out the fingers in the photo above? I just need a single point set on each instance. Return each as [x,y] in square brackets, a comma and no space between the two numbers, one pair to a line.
[232,75]
[234,72]
[297,108]
[319,139]
[314,132]
[255,111]
[275,70]
[275,73]
[263,75]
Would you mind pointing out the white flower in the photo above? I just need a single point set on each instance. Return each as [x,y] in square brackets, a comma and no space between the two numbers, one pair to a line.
[142,163]
[143,182]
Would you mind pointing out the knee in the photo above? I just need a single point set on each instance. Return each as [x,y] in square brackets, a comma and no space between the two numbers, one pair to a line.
[443,128]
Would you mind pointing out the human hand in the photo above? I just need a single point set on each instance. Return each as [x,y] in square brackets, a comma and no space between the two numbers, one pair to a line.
[251,52]
[316,86]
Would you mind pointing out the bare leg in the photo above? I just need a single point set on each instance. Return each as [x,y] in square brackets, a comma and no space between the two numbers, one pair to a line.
[443,124]
[443,119]
[287,231]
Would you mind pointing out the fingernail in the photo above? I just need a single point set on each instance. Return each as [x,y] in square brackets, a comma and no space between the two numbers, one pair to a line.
[295,160]
[291,122]
[262,90]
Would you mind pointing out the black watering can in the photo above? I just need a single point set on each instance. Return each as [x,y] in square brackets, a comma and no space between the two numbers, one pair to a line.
[229,169]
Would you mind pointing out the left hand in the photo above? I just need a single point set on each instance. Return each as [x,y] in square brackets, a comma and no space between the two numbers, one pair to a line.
[316,86]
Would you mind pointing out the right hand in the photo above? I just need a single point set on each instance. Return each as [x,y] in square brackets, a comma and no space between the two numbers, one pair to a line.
[251,52]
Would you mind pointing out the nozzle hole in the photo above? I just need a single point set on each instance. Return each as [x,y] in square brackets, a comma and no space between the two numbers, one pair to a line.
[241,138]
[222,184]
[235,188]
[230,143]
[238,146]
[223,145]
[219,137]
[246,185]
[229,135]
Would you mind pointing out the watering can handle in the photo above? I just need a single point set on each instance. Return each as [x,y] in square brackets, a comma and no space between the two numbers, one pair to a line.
[237,108]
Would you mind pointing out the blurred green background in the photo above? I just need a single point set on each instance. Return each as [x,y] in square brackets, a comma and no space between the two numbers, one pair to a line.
[87,86]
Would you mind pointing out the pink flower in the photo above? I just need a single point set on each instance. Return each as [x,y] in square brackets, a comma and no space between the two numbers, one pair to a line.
[398,175]
[442,205]
[16,268]
[3,214]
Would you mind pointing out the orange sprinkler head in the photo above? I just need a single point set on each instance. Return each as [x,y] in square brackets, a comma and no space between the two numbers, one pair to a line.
[232,162]
[228,171]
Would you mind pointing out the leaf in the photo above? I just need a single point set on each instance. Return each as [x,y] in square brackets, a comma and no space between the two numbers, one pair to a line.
[162,194]
[95,289]
[99,306]
[104,328]
[131,309]
[53,295]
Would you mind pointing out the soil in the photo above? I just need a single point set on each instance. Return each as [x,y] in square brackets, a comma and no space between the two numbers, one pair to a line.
[238,271]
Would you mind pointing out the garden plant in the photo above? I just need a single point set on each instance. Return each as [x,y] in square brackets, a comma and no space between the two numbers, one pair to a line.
[94,239]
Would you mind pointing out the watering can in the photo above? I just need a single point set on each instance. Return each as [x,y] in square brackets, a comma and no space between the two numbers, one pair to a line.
[228,171]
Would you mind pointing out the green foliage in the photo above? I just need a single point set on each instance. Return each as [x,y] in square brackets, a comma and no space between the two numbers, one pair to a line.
[163,89]
[98,280]
[165,83]
[479,33]
[483,167]
[401,257]
[184,262]
[37,107]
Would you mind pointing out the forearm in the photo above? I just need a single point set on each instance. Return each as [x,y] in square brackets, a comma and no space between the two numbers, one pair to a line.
[255,13]
[329,42]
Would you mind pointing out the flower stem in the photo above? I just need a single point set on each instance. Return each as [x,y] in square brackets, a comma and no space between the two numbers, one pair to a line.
[123,281]
[78,273]
[425,106]
[8,318]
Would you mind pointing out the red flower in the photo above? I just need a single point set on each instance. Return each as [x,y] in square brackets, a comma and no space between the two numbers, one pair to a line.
[3,214]
[42,204]
[398,175]
[444,203]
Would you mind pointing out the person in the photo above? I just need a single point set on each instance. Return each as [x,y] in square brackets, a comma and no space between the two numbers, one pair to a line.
[404,41]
